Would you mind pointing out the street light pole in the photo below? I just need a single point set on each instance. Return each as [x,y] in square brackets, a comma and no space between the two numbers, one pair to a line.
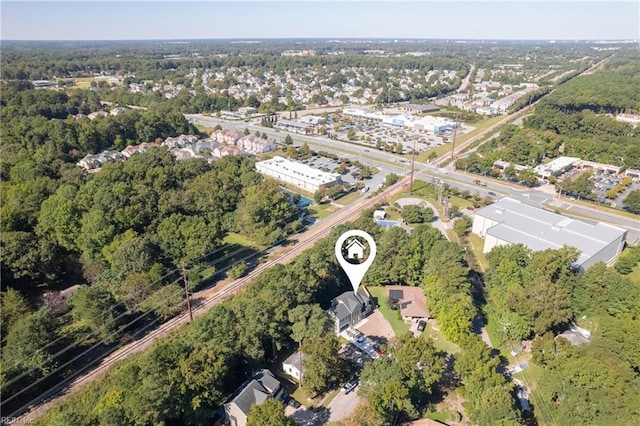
[413,163]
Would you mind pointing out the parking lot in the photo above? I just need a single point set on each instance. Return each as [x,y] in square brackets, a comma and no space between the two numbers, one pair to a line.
[381,135]
[604,182]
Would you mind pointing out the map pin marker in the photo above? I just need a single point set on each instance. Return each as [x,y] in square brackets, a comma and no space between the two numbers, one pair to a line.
[355,249]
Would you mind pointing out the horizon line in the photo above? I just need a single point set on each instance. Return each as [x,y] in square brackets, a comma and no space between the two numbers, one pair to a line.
[395,39]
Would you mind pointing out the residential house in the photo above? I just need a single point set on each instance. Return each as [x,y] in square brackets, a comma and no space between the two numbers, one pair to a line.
[350,308]
[227,137]
[97,114]
[205,145]
[179,141]
[255,145]
[184,153]
[410,300]
[223,151]
[95,161]
[294,365]
[117,111]
[140,148]
[260,387]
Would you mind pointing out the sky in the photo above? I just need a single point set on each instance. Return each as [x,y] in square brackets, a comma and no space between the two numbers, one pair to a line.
[428,19]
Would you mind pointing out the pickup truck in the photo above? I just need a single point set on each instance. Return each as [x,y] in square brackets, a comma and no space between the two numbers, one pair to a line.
[479,182]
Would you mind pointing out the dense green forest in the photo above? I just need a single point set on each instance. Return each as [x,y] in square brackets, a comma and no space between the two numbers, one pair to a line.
[575,120]
[123,230]
[537,295]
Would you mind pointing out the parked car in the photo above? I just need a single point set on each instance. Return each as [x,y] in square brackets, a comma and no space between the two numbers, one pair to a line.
[349,386]
[422,325]
[493,194]
[293,403]
[516,351]
[470,208]
[376,348]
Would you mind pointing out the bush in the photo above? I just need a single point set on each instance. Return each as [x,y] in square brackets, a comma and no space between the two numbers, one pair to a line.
[237,271]
[628,260]
[416,214]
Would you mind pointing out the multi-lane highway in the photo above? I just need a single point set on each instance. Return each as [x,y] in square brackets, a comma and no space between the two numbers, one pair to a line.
[543,197]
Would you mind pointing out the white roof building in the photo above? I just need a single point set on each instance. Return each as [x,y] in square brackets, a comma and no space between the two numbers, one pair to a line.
[555,167]
[511,222]
[297,174]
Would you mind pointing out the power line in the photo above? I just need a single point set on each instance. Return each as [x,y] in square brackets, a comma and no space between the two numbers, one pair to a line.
[217,296]
[121,303]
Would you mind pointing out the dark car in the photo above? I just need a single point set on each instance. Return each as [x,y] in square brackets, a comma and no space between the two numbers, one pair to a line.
[377,350]
[293,403]
[493,194]
[421,325]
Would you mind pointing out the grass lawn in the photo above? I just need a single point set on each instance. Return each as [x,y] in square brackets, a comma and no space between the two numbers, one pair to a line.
[439,150]
[398,326]
[349,198]
[493,329]
[320,211]
[443,149]
[635,275]
[205,129]
[477,244]
[453,237]
[301,395]
[234,238]
[439,340]
[441,416]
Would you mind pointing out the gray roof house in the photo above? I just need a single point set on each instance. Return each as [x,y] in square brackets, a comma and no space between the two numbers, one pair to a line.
[350,308]
[261,386]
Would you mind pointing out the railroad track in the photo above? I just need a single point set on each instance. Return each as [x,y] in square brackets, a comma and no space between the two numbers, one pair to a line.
[29,412]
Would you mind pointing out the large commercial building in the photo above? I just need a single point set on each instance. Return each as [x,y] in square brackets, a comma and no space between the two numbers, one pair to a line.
[430,123]
[298,174]
[511,222]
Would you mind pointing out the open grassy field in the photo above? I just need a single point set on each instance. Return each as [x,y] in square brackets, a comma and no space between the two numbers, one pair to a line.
[443,149]
[320,211]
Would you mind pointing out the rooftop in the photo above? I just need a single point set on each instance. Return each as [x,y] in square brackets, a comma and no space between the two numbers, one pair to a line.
[539,229]
[558,164]
[411,300]
[302,171]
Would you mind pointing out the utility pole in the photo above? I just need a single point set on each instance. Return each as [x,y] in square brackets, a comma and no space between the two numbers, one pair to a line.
[455,131]
[413,163]
[186,290]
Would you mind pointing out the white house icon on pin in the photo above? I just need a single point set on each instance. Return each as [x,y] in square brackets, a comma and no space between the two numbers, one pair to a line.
[355,250]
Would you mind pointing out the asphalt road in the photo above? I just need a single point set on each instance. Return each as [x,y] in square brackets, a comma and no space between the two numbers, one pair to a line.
[386,162]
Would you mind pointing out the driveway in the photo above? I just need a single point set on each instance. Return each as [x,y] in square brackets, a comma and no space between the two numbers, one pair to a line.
[306,417]
[342,405]
[376,327]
